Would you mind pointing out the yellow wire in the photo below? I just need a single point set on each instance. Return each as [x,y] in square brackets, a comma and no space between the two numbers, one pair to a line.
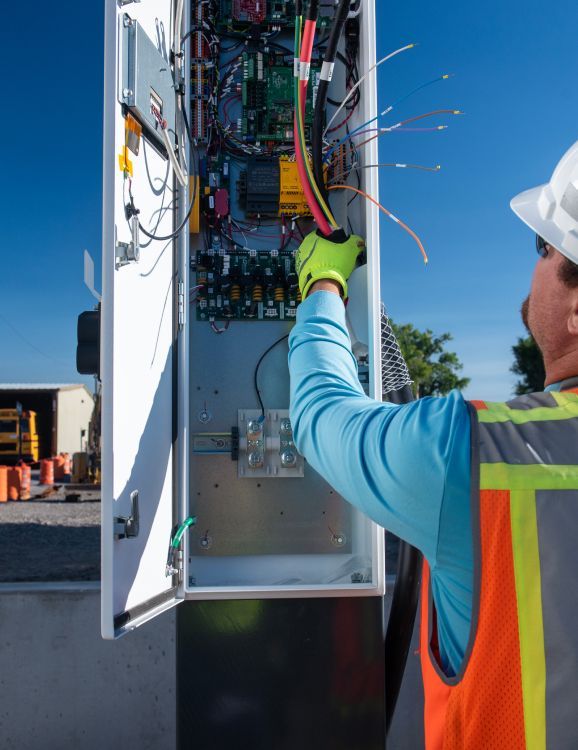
[386,212]
[301,128]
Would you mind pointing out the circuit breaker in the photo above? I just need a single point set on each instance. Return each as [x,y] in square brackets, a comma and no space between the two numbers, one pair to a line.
[204,209]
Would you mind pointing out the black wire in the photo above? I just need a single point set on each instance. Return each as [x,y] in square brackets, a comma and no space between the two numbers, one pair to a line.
[312,10]
[321,101]
[255,377]
[133,211]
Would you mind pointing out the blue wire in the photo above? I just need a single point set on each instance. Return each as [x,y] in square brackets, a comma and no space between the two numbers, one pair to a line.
[385,112]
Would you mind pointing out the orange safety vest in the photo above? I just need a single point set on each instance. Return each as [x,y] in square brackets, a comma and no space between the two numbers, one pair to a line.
[518,685]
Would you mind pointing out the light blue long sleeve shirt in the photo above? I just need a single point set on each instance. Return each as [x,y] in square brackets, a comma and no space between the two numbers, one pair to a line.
[406,466]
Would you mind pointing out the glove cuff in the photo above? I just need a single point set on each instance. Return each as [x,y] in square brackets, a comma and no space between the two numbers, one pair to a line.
[318,274]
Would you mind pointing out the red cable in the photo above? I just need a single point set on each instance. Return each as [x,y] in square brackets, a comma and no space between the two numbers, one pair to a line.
[305,58]
[307,41]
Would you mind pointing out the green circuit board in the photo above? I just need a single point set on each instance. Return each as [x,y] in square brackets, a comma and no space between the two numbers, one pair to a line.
[243,13]
[248,285]
[267,98]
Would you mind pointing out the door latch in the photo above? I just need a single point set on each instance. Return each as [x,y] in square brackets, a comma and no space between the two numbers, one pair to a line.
[128,527]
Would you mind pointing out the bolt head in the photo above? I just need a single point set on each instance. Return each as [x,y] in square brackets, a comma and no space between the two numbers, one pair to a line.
[288,459]
[254,427]
[255,460]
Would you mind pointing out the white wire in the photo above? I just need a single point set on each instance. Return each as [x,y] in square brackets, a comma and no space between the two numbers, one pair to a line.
[363,77]
[178,23]
[173,159]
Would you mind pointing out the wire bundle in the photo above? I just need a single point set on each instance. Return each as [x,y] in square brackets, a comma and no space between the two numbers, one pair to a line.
[303,51]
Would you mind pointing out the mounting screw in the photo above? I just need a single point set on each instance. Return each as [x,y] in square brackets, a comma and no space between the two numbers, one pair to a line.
[338,540]
[204,416]
[206,542]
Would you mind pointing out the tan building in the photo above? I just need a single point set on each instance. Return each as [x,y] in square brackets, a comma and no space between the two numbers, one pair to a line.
[63,413]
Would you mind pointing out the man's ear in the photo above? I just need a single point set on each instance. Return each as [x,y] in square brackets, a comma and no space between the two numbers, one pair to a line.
[573,316]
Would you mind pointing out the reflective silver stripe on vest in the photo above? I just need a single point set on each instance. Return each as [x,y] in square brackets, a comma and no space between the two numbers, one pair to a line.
[548,442]
[557,516]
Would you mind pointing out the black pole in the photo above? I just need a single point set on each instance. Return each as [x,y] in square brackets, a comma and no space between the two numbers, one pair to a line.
[405,595]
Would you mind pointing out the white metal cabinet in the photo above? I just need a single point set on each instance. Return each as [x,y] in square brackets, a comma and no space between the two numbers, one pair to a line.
[161,369]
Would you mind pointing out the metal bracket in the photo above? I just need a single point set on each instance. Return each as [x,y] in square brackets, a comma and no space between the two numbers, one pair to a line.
[122,3]
[128,527]
[266,447]
[125,253]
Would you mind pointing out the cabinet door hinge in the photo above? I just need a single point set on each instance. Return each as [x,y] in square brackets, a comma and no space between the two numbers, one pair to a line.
[181,298]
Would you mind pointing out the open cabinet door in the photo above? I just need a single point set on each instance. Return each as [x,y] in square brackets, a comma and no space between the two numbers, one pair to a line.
[140,327]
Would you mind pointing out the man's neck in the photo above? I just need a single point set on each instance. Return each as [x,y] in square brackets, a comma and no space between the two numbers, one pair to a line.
[562,368]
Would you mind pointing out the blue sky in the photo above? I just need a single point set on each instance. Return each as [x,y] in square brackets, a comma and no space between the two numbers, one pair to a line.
[515,71]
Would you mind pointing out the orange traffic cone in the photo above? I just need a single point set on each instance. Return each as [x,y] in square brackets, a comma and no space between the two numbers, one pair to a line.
[14,482]
[26,477]
[3,484]
[58,462]
[46,471]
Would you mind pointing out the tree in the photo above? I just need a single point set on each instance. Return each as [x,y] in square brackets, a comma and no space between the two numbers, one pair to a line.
[529,364]
[433,369]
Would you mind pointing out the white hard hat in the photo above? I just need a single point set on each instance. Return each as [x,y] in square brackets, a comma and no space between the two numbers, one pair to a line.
[551,210]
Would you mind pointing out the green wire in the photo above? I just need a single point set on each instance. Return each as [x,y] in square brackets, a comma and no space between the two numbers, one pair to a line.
[190,521]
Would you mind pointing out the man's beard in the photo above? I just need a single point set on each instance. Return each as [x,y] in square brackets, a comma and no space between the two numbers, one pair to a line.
[524,310]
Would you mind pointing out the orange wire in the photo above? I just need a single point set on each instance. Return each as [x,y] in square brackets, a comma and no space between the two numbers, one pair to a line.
[386,212]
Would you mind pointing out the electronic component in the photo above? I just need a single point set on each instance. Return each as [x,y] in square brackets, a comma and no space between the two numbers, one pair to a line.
[264,12]
[292,199]
[249,11]
[200,92]
[259,186]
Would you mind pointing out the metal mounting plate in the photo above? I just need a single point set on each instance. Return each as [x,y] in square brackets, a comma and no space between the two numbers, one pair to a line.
[146,80]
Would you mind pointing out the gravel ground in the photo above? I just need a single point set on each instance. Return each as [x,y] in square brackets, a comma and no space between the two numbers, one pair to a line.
[50,539]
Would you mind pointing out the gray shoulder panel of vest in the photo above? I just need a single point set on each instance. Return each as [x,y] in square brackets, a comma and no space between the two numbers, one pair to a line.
[548,442]
[532,401]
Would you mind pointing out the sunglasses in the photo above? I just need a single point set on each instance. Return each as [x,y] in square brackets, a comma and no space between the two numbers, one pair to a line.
[541,246]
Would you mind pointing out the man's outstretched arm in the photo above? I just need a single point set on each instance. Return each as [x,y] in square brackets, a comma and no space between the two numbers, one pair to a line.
[391,461]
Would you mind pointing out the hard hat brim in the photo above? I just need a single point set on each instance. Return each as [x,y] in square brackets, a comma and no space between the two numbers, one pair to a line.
[526,206]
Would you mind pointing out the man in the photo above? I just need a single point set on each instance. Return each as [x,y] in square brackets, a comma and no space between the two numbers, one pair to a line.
[488,492]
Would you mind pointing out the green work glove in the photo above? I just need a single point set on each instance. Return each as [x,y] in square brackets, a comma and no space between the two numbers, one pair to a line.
[333,257]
